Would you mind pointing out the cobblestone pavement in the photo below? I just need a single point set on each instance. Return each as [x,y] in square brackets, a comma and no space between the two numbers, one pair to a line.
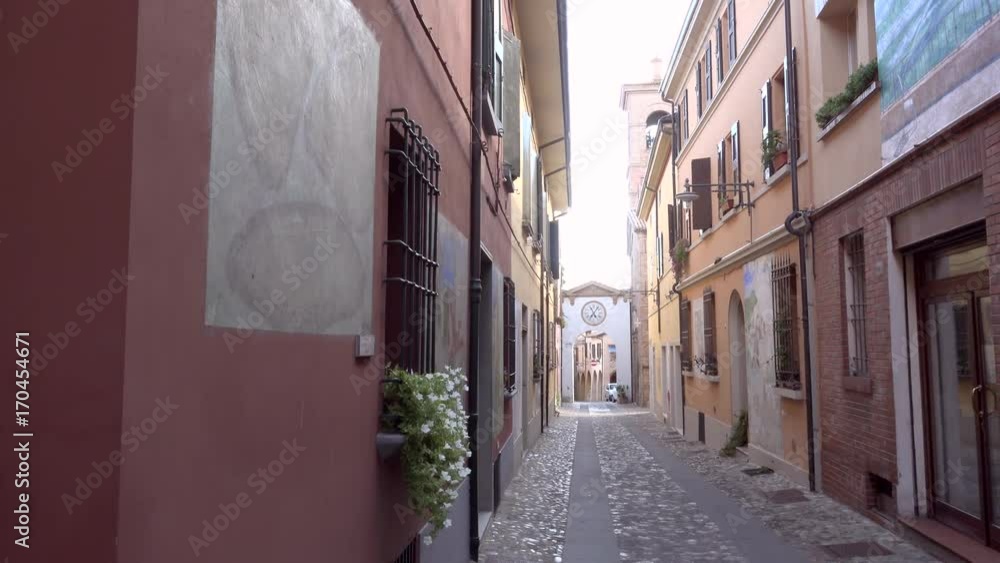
[530,525]
[670,501]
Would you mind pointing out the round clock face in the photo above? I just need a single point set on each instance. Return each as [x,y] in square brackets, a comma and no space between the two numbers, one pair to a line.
[594,313]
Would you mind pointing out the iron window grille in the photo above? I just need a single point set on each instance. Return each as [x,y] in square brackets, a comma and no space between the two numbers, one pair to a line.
[411,245]
[856,302]
[685,335]
[711,361]
[786,362]
[509,335]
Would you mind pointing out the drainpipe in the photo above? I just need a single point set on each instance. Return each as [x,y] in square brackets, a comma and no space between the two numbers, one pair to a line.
[475,271]
[793,150]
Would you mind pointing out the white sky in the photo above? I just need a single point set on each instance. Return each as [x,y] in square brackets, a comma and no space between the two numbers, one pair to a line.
[611,42]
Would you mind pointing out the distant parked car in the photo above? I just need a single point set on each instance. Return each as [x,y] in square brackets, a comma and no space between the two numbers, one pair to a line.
[611,393]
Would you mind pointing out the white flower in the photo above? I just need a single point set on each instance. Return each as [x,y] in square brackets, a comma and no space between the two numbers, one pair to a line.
[425,428]
[419,396]
[447,523]
[428,540]
[441,457]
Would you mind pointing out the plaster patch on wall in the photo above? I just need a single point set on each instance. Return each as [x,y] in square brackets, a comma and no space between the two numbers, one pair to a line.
[294,125]
[453,297]
[763,400]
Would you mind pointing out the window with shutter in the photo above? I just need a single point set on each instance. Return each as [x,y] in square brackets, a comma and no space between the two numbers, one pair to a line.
[765,115]
[512,105]
[701,180]
[685,307]
[676,133]
[528,180]
[539,191]
[671,227]
[708,72]
[724,191]
[684,109]
[735,149]
[697,89]
[719,57]
[711,362]
[731,11]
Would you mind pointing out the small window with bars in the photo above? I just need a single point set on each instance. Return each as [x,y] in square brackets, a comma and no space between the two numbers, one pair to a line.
[856,304]
[411,244]
[685,335]
[786,361]
[711,360]
[509,336]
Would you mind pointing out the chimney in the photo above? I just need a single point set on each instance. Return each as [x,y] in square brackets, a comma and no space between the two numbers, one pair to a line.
[657,64]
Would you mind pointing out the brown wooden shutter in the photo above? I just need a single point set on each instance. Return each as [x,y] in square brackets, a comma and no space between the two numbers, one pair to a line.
[711,362]
[708,71]
[765,113]
[687,120]
[737,170]
[732,30]
[718,51]
[701,179]
[685,334]
[672,227]
[697,88]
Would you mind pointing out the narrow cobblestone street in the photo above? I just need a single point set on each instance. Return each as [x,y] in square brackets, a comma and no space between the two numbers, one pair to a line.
[609,483]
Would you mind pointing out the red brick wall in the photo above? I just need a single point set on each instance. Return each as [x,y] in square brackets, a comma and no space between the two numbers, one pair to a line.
[857,422]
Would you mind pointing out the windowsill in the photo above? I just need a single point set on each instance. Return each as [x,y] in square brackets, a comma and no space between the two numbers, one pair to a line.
[702,376]
[791,394]
[864,97]
[949,539]
[780,174]
[857,384]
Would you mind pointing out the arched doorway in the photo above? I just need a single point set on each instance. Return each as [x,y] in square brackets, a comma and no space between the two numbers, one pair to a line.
[738,356]
[596,358]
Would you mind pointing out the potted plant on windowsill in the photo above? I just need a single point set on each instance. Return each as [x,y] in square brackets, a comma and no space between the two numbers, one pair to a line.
[428,412]
[680,256]
[773,151]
